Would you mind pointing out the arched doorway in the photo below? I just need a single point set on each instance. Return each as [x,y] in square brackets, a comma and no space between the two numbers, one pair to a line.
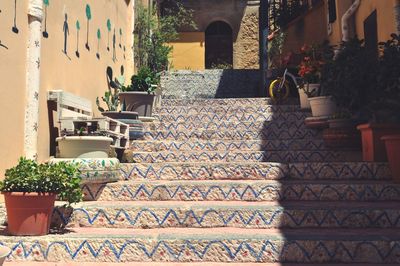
[219,45]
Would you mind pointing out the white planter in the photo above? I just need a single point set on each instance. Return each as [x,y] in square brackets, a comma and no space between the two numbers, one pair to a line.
[4,251]
[304,102]
[84,147]
[312,88]
[322,106]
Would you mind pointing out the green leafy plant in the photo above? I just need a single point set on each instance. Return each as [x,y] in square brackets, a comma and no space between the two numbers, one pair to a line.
[111,99]
[384,100]
[275,49]
[28,176]
[155,32]
[144,80]
[348,76]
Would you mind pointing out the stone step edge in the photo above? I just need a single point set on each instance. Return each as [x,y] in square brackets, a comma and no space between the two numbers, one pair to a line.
[179,264]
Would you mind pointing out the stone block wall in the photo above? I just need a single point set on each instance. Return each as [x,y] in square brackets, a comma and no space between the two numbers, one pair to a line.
[210,84]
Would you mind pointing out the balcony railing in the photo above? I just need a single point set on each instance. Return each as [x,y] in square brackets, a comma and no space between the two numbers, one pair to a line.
[282,12]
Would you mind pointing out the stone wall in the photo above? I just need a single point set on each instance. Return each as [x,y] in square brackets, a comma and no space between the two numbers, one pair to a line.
[210,84]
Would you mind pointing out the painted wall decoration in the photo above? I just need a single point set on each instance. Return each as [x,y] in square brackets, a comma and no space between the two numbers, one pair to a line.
[15,28]
[114,44]
[46,5]
[78,28]
[108,33]
[120,38]
[66,34]
[88,17]
[98,43]
[2,45]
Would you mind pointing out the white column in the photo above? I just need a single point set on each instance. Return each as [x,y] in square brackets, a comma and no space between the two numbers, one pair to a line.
[346,20]
[35,16]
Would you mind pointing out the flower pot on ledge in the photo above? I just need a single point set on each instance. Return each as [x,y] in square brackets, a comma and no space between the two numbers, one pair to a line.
[393,153]
[29,214]
[138,101]
[372,144]
[84,146]
[323,106]
[304,101]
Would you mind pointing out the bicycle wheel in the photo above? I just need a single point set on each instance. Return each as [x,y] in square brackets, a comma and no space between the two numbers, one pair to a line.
[277,93]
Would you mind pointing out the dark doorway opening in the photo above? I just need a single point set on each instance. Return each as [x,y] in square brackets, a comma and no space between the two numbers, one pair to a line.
[219,45]
[371,34]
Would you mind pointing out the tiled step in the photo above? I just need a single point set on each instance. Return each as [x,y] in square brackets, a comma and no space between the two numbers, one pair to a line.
[225,102]
[241,156]
[255,171]
[272,126]
[227,190]
[227,145]
[213,135]
[235,117]
[230,214]
[226,109]
[176,264]
[204,245]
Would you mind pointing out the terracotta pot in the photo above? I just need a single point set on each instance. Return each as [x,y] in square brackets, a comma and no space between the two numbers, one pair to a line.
[373,147]
[393,153]
[29,214]
[4,251]
[138,101]
[342,134]
[323,106]
[121,115]
[84,147]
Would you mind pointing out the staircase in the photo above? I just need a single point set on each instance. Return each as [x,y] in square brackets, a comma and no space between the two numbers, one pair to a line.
[229,181]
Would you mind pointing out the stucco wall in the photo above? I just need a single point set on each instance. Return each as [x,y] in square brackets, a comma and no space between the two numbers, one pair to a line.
[82,73]
[188,51]
[309,29]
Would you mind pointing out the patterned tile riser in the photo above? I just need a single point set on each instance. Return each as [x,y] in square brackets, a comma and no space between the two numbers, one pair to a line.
[245,117]
[259,192]
[232,135]
[265,250]
[256,171]
[227,217]
[255,145]
[272,127]
[222,102]
[237,156]
[227,109]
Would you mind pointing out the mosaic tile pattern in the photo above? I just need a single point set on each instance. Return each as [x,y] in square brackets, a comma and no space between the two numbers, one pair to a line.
[225,109]
[243,191]
[268,249]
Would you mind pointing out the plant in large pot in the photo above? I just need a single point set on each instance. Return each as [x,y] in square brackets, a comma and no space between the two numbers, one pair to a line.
[111,98]
[384,103]
[88,142]
[139,96]
[348,78]
[310,70]
[30,190]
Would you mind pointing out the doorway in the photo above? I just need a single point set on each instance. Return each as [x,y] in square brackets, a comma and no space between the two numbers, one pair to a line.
[219,45]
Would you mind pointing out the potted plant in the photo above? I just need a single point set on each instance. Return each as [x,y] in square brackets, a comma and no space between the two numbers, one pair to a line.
[139,96]
[384,103]
[111,98]
[87,143]
[30,190]
[322,103]
[310,71]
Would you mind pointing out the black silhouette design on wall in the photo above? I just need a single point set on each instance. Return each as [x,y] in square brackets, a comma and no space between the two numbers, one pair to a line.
[66,34]
[78,28]
[89,17]
[15,28]
[98,43]
[114,43]
[120,38]
[124,52]
[108,33]
[46,4]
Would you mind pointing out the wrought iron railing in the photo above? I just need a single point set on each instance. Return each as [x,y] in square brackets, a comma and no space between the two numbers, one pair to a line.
[282,12]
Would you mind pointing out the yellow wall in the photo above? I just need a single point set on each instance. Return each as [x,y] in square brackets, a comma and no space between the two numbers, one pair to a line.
[189,51]
[311,29]
[84,75]
[385,14]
